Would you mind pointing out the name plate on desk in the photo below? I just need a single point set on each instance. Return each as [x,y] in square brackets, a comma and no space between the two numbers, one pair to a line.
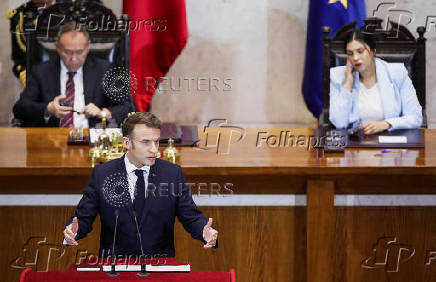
[392,139]
[150,268]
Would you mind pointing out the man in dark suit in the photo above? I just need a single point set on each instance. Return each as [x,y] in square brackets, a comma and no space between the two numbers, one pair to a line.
[146,190]
[68,91]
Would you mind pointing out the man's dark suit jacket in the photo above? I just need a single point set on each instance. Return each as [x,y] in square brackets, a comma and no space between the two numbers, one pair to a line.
[44,85]
[157,220]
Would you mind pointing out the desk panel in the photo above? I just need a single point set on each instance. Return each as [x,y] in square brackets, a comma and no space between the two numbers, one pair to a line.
[261,243]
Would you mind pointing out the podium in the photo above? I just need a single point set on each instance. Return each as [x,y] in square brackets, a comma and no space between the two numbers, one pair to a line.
[73,274]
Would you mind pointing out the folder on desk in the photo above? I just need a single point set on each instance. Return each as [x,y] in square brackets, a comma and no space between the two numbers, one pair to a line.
[402,138]
[183,135]
[170,130]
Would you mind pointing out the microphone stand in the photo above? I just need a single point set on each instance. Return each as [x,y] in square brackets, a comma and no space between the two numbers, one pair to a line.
[143,273]
[113,273]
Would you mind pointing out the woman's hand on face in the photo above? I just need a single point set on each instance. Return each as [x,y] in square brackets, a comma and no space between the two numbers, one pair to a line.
[349,78]
[375,127]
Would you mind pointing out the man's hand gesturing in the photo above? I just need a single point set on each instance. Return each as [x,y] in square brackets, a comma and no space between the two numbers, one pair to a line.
[71,231]
[210,235]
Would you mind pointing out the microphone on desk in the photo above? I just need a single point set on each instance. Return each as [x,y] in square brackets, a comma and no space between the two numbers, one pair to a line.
[113,273]
[356,131]
[143,273]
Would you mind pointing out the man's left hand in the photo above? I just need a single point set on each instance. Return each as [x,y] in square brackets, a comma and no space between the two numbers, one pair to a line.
[375,127]
[91,110]
[210,235]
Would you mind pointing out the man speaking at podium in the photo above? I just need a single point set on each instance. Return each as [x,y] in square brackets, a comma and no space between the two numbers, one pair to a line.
[145,192]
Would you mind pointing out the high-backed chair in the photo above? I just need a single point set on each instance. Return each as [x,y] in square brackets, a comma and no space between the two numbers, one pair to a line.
[395,44]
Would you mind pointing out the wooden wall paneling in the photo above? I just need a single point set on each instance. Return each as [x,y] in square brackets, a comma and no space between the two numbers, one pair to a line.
[260,243]
[395,233]
[320,228]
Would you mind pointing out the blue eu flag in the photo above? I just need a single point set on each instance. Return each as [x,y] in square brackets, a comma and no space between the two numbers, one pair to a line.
[333,13]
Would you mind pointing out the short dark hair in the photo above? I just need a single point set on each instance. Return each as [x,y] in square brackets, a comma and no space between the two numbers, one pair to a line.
[72,26]
[133,119]
[362,36]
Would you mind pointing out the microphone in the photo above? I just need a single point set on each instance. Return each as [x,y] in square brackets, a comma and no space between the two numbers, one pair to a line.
[113,273]
[356,130]
[143,273]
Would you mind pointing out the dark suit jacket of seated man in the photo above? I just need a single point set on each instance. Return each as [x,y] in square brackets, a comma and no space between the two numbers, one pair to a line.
[44,86]
[167,196]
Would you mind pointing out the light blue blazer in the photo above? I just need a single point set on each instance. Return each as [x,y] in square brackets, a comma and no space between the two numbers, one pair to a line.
[400,104]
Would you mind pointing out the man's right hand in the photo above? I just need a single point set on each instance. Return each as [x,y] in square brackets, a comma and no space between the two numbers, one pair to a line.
[55,109]
[71,231]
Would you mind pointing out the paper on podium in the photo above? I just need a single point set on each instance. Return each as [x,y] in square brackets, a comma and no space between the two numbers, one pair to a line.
[392,139]
[88,269]
[150,268]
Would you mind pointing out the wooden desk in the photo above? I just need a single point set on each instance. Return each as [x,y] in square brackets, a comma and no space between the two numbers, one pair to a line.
[320,243]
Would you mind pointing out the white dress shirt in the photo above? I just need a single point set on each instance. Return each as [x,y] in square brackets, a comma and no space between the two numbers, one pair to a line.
[79,120]
[131,176]
[370,104]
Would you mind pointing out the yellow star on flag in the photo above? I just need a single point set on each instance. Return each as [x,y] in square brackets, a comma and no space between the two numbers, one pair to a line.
[343,2]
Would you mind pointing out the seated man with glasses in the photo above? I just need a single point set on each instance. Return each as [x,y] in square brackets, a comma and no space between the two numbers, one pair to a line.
[68,91]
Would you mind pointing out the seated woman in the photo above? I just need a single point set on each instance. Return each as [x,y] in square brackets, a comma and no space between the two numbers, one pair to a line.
[370,91]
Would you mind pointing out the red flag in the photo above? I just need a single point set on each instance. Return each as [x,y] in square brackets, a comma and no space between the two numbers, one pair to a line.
[158,33]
